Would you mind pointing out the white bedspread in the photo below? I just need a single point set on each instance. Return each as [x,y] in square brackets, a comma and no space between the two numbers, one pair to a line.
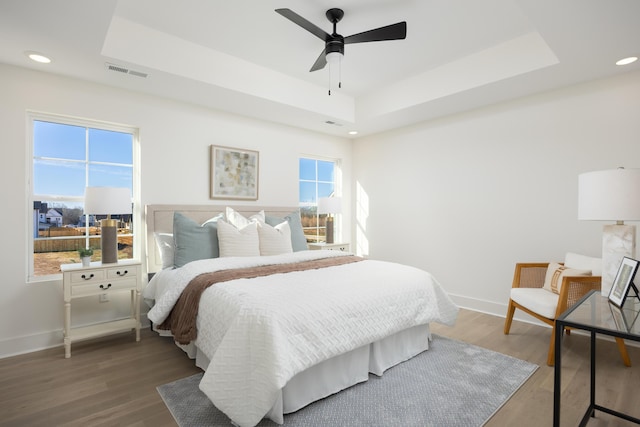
[290,322]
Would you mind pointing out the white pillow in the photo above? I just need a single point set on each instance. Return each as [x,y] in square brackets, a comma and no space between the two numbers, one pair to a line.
[164,242]
[239,221]
[275,240]
[238,242]
[555,273]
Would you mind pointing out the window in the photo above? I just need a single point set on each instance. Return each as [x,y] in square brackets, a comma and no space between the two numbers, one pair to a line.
[317,179]
[69,155]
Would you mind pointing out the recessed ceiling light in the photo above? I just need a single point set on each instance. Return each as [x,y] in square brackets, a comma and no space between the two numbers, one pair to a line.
[353,132]
[626,61]
[38,57]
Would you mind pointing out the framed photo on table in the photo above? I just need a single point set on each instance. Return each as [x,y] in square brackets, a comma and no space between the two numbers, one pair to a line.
[234,173]
[623,281]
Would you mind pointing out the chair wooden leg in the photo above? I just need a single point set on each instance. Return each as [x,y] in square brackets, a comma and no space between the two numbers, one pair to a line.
[509,318]
[623,352]
[552,346]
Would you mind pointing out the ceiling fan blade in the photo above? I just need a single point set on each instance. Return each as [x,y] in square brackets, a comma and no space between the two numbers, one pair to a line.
[297,19]
[320,62]
[390,32]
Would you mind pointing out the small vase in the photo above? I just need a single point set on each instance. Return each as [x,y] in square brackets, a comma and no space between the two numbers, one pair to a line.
[86,261]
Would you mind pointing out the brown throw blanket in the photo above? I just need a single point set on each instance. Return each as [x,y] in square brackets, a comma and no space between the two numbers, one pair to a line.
[182,319]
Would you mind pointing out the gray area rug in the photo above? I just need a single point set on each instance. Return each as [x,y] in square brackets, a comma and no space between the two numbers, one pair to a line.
[451,384]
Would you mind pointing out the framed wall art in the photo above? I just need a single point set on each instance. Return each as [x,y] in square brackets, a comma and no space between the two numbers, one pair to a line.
[623,281]
[234,173]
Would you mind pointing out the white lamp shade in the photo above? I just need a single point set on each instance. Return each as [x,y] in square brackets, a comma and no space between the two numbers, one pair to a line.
[107,200]
[329,205]
[609,195]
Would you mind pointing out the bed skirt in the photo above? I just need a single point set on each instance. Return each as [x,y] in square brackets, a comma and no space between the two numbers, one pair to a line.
[340,372]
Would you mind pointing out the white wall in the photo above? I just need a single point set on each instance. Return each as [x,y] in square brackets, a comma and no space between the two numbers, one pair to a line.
[175,140]
[468,196]
[464,197]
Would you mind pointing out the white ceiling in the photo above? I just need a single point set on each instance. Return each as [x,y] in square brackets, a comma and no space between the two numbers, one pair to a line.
[241,56]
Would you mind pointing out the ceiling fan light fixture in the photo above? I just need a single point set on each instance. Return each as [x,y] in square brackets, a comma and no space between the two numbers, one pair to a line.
[334,58]
[334,42]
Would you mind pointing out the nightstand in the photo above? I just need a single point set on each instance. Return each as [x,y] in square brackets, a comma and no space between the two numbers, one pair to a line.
[97,279]
[329,246]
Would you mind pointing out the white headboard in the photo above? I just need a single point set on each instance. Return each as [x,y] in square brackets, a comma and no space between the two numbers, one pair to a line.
[159,218]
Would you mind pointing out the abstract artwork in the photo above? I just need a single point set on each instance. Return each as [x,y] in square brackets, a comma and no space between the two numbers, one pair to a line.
[234,173]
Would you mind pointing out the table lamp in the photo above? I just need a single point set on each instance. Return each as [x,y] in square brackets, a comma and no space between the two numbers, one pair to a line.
[329,206]
[611,195]
[107,201]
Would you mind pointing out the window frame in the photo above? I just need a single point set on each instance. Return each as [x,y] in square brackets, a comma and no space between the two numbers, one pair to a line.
[337,190]
[33,116]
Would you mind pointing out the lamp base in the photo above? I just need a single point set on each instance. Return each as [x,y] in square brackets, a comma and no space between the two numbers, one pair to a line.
[109,241]
[618,241]
[329,233]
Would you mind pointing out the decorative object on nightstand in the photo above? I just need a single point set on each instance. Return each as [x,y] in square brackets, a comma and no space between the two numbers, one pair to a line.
[329,246]
[98,279]
[611,195]
[85,256]
[107,201]
[329,206]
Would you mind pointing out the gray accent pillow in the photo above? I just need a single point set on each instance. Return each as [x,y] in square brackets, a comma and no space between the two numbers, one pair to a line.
[193,241]
[298,241]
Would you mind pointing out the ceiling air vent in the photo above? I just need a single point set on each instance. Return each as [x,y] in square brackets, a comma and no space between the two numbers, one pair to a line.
[125,70]
[331,122]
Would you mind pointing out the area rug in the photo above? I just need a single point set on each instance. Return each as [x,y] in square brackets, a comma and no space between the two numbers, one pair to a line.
[451,384]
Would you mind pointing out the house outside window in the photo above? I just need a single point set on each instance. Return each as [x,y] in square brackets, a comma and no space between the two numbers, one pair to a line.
[68,155]
[317,178]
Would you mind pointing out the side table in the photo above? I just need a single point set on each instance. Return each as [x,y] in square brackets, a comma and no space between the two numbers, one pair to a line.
[594,313]
[98,278]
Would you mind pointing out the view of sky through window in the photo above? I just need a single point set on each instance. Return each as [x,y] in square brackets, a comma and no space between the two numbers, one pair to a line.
[316,180]
[68,158]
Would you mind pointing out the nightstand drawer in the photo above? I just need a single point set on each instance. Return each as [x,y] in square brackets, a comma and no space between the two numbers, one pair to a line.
[100,287]
[121,272]
[329,246]
[87,276]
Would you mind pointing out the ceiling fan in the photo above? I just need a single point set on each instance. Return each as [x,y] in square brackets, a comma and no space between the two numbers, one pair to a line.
[334,43]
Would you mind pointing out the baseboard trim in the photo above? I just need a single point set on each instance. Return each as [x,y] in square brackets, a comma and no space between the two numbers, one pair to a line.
[30,343]
[493,308]
[36,342]
[500,310]
[42,341]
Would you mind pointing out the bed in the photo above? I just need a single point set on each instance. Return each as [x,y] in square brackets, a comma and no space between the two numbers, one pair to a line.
[280,327]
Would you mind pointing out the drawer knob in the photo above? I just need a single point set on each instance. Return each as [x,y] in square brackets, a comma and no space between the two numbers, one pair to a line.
[123,273]
[105,287]
[87,278]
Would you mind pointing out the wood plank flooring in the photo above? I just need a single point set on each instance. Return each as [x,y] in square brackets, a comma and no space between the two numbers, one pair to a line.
[112,381]
[532,404]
